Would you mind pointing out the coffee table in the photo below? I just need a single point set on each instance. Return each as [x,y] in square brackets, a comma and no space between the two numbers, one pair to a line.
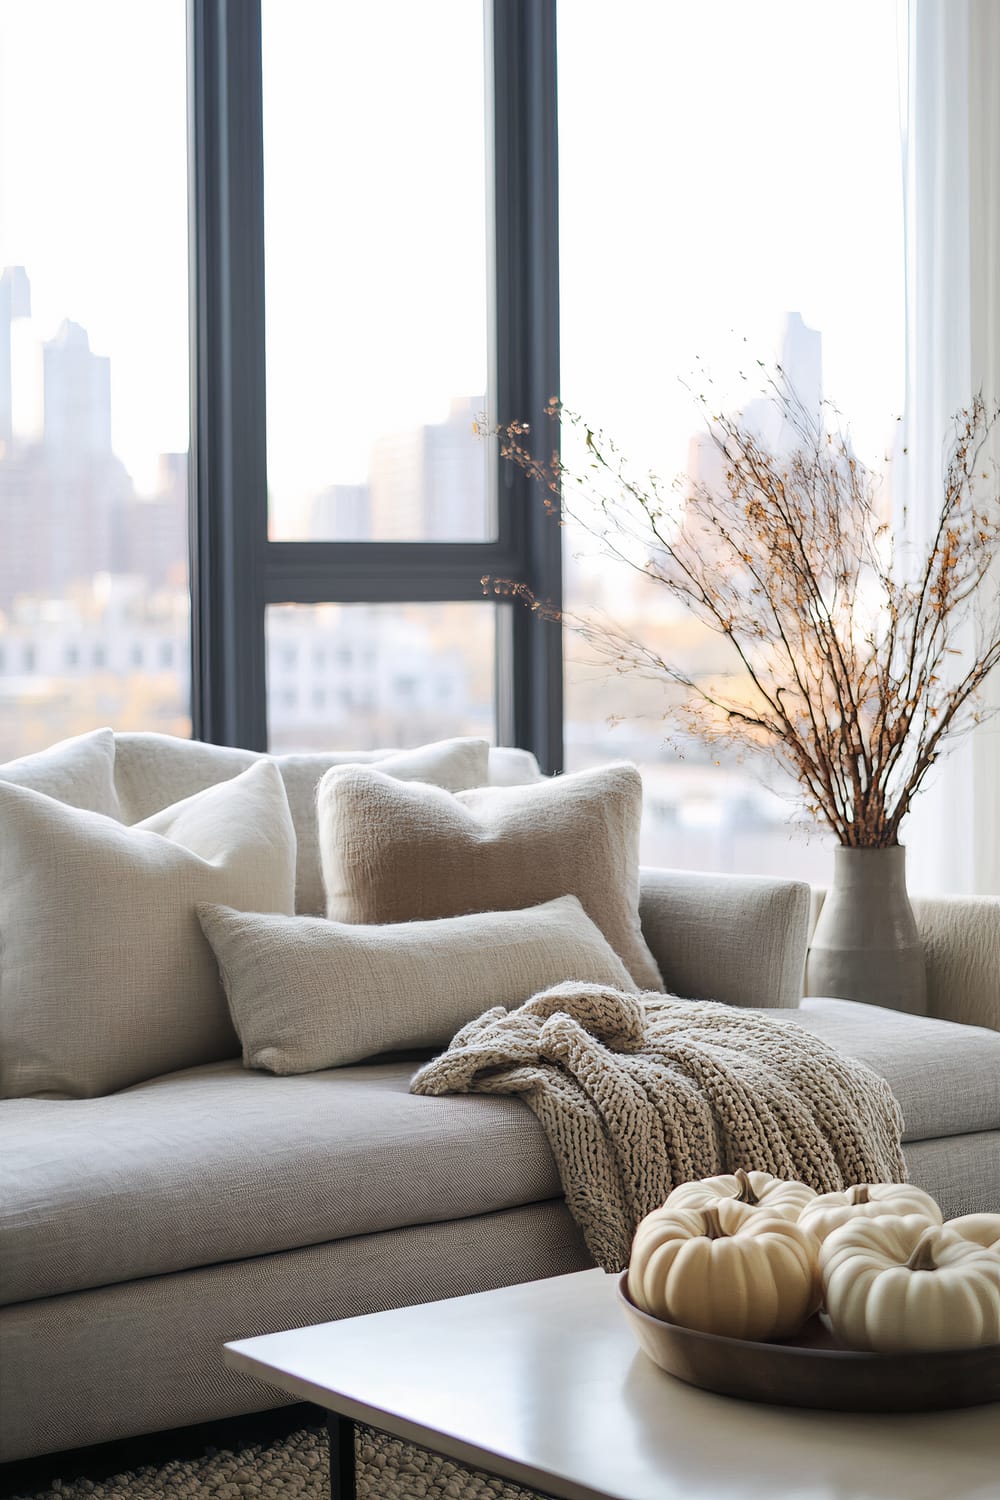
[543,1384]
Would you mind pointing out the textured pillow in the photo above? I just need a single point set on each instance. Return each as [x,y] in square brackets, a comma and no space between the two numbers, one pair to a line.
[395,852]
[305,993]
[105,975]
[510,766]
[79,772]
[154,770]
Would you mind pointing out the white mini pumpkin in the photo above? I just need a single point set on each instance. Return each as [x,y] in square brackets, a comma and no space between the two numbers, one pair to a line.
[775,1194]
[898,1283]
[981,1229]
[867,1201]
[731,1269]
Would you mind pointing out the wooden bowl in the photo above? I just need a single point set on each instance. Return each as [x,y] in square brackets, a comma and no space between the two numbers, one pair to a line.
[814,1370]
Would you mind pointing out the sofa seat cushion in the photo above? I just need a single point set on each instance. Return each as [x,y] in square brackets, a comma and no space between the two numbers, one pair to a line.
[217,1163]
[945,1076]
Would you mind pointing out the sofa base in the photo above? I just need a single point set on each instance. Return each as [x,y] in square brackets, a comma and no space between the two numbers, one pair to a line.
[145,1356]
[961,1172]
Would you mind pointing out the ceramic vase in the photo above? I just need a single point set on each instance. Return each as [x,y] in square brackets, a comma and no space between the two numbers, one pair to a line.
[866,945]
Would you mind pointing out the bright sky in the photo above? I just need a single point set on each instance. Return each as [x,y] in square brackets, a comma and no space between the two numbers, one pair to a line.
[93,195]
[721,163]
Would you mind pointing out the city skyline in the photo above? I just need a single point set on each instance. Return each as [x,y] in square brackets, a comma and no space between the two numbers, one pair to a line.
[699,197]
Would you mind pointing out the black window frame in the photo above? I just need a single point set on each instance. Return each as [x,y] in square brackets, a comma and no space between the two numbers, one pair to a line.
[236,571]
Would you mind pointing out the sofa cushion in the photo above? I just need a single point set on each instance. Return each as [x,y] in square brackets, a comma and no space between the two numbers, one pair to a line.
[401,852]
[306,993]
[217,1163]
[155,770]
[79,772]
[945,1076]
[105,975]
[510,766]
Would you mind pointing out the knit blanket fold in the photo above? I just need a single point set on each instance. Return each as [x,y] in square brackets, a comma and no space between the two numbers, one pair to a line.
[637,1093]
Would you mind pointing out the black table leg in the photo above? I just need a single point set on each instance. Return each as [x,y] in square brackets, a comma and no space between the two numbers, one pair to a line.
[342,1469]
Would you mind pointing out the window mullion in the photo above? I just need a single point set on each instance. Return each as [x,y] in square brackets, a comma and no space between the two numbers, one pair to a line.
[526,248]
[228,454]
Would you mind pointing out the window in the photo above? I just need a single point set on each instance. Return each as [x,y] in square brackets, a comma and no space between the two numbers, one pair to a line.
[335,458]
[93,363]
[429,674]
[376,277]
[705,202]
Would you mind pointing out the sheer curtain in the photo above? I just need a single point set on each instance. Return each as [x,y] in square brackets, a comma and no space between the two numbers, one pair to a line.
[950,50]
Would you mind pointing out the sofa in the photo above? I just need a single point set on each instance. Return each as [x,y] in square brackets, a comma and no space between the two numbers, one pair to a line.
[146,1223]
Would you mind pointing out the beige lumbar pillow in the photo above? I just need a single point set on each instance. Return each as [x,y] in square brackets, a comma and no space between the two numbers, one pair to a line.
[105,975]
[305,993]
[398,852]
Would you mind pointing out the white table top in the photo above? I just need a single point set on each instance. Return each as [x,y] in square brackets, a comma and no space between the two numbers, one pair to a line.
[544,1384]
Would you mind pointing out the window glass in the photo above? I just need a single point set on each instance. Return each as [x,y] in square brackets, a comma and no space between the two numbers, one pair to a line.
[375,244]
[93,369]
[363,676]
[730,190]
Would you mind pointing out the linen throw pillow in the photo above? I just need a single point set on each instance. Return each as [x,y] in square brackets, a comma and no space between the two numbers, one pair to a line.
[393,851]
[154,770]
[105,975]
[305,993]
[79,771]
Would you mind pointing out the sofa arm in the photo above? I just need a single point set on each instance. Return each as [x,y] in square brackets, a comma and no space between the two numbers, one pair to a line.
[738,938]
[961,937]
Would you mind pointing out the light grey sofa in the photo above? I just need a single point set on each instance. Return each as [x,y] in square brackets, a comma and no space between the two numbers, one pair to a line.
[142,1230]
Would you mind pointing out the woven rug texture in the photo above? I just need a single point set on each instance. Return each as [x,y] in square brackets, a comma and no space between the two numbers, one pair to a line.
[295,1468]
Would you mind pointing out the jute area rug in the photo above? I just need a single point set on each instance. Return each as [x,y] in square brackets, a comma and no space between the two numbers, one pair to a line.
[293,1468]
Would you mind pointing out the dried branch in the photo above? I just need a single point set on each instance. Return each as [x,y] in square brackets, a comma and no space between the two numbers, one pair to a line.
[853,673]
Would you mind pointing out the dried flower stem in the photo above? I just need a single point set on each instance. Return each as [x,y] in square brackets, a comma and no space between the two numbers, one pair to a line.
[851,673]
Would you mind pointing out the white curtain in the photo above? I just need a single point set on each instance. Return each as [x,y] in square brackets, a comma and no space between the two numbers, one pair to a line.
[950,51]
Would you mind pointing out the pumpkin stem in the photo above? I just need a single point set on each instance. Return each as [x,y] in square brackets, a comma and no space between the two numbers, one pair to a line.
[746,1193]
[860,1194]
[922,1258]
[713,1224]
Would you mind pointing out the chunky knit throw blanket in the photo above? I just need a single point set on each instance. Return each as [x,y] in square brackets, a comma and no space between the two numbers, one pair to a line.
[638,1093]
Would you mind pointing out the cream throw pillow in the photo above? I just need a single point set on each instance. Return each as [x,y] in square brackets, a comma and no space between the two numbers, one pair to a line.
[105,975]
[393,851]
[155,770]
[79,772]
[305,993]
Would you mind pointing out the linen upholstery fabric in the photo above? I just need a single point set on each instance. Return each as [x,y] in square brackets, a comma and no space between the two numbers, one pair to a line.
[305,993]
[741,939]
[218,1163]
[961,1173]
[105,975]
[946,1077]
[154,770]
[961,938]
[79,771]
[398,852]
[77,1369]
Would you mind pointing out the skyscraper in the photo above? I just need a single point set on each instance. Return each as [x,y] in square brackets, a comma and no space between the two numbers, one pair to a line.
[77,396]
[15,302]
